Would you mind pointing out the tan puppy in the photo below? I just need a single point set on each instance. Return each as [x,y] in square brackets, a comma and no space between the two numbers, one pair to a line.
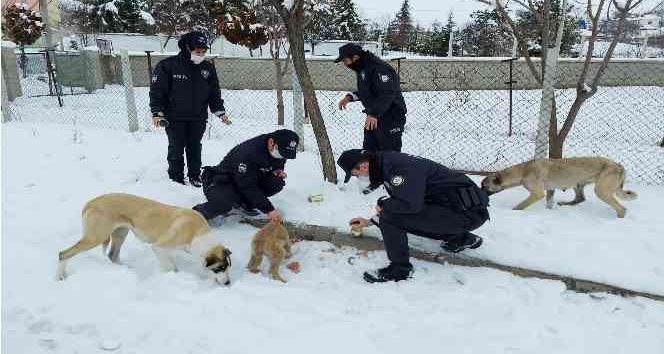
[272,241]
[166,228]
[549,174]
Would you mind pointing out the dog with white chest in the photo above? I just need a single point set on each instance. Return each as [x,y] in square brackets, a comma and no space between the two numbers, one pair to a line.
[108,219]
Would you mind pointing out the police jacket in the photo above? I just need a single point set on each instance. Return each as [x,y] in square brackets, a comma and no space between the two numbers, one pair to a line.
[378,88]
[412,182]
[244,165]
[183,90]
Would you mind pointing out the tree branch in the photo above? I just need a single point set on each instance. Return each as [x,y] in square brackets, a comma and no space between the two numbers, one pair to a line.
[523,47]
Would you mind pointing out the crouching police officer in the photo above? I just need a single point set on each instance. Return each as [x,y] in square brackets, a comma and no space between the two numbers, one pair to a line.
[183,86]
[425,198]
[248,174]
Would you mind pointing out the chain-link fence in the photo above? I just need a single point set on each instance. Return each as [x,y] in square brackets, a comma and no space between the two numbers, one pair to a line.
[461,112]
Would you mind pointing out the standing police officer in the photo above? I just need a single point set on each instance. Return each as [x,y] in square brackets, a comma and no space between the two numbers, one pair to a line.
[379,91]
[425,198]
[248,174]
[183,86]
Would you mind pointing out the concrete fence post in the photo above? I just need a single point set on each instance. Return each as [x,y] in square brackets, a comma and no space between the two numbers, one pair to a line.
[6,108]
[298,110]
[11,83]
[90,65]
[130,99]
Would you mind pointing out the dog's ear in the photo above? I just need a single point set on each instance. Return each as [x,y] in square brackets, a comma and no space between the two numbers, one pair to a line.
[227,252]
[209,260]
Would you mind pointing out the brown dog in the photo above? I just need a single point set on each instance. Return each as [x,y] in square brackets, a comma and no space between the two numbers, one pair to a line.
[272,241]
[541,175]
[110,217]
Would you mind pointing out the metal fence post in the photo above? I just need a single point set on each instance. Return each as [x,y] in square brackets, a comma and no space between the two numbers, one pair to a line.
[511,83]
[298,110]
[127,82]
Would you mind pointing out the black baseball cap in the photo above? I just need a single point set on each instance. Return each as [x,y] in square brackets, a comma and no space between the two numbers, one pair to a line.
[287,141]
[348,160]
[348,50]
[193,39]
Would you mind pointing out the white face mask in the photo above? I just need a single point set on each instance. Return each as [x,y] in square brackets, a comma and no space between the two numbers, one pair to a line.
[364,179]
[275,153]
[197,59]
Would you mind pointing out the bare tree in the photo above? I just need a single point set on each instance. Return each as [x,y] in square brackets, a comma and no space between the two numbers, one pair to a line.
[587,83]
[278,40]
[295,19]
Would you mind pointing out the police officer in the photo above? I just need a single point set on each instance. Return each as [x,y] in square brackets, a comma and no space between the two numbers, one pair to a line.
[248,174]
[379,91]
[183,86]
[425,198]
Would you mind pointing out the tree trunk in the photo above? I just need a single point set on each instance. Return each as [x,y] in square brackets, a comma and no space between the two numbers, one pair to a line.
[296,40]
[280,90]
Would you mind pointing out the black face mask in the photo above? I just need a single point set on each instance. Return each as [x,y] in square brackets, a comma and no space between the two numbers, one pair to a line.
[355,66]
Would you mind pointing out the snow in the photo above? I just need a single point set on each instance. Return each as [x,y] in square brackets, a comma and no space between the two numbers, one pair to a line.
[133,308]
[147,17]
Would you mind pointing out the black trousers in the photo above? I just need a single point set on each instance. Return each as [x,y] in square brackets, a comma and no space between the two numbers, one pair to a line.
[434,221]
[222,197]
[387,136]
[184,136]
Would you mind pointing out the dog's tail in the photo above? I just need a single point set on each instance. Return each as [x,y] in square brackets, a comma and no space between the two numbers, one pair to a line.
[622,193]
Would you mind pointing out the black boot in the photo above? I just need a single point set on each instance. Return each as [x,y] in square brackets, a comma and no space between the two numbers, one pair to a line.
[244,210]
[461,242]
[179,180]
[393,272]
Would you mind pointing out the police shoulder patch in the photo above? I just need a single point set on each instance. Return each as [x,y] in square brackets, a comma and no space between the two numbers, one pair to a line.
[242,168]
[384,77]
[154,78]
[397,180]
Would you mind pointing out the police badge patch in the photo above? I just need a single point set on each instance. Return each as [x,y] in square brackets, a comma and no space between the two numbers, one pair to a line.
[384,78]
[154,78]
[242,168]
[397,180]
[205,74]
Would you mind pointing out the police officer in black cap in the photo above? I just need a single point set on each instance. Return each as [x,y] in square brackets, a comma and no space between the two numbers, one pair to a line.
[379,91]
[425,199]
[182,89]
[248,174]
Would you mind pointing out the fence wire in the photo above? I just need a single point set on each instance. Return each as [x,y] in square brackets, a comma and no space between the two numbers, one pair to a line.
[462,117]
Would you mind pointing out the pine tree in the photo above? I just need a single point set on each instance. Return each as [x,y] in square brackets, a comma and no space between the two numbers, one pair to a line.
[346,22]
[22,25]
[400,31]
[486,36]
[319,26]
[129,16]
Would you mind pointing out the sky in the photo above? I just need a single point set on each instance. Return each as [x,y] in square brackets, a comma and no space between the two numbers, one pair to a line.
[423,11]
[427,11]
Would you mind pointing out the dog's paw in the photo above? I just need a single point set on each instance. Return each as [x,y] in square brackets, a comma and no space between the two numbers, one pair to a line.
[254,270]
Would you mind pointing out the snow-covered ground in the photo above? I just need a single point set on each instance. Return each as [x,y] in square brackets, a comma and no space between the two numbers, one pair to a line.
[50,170]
